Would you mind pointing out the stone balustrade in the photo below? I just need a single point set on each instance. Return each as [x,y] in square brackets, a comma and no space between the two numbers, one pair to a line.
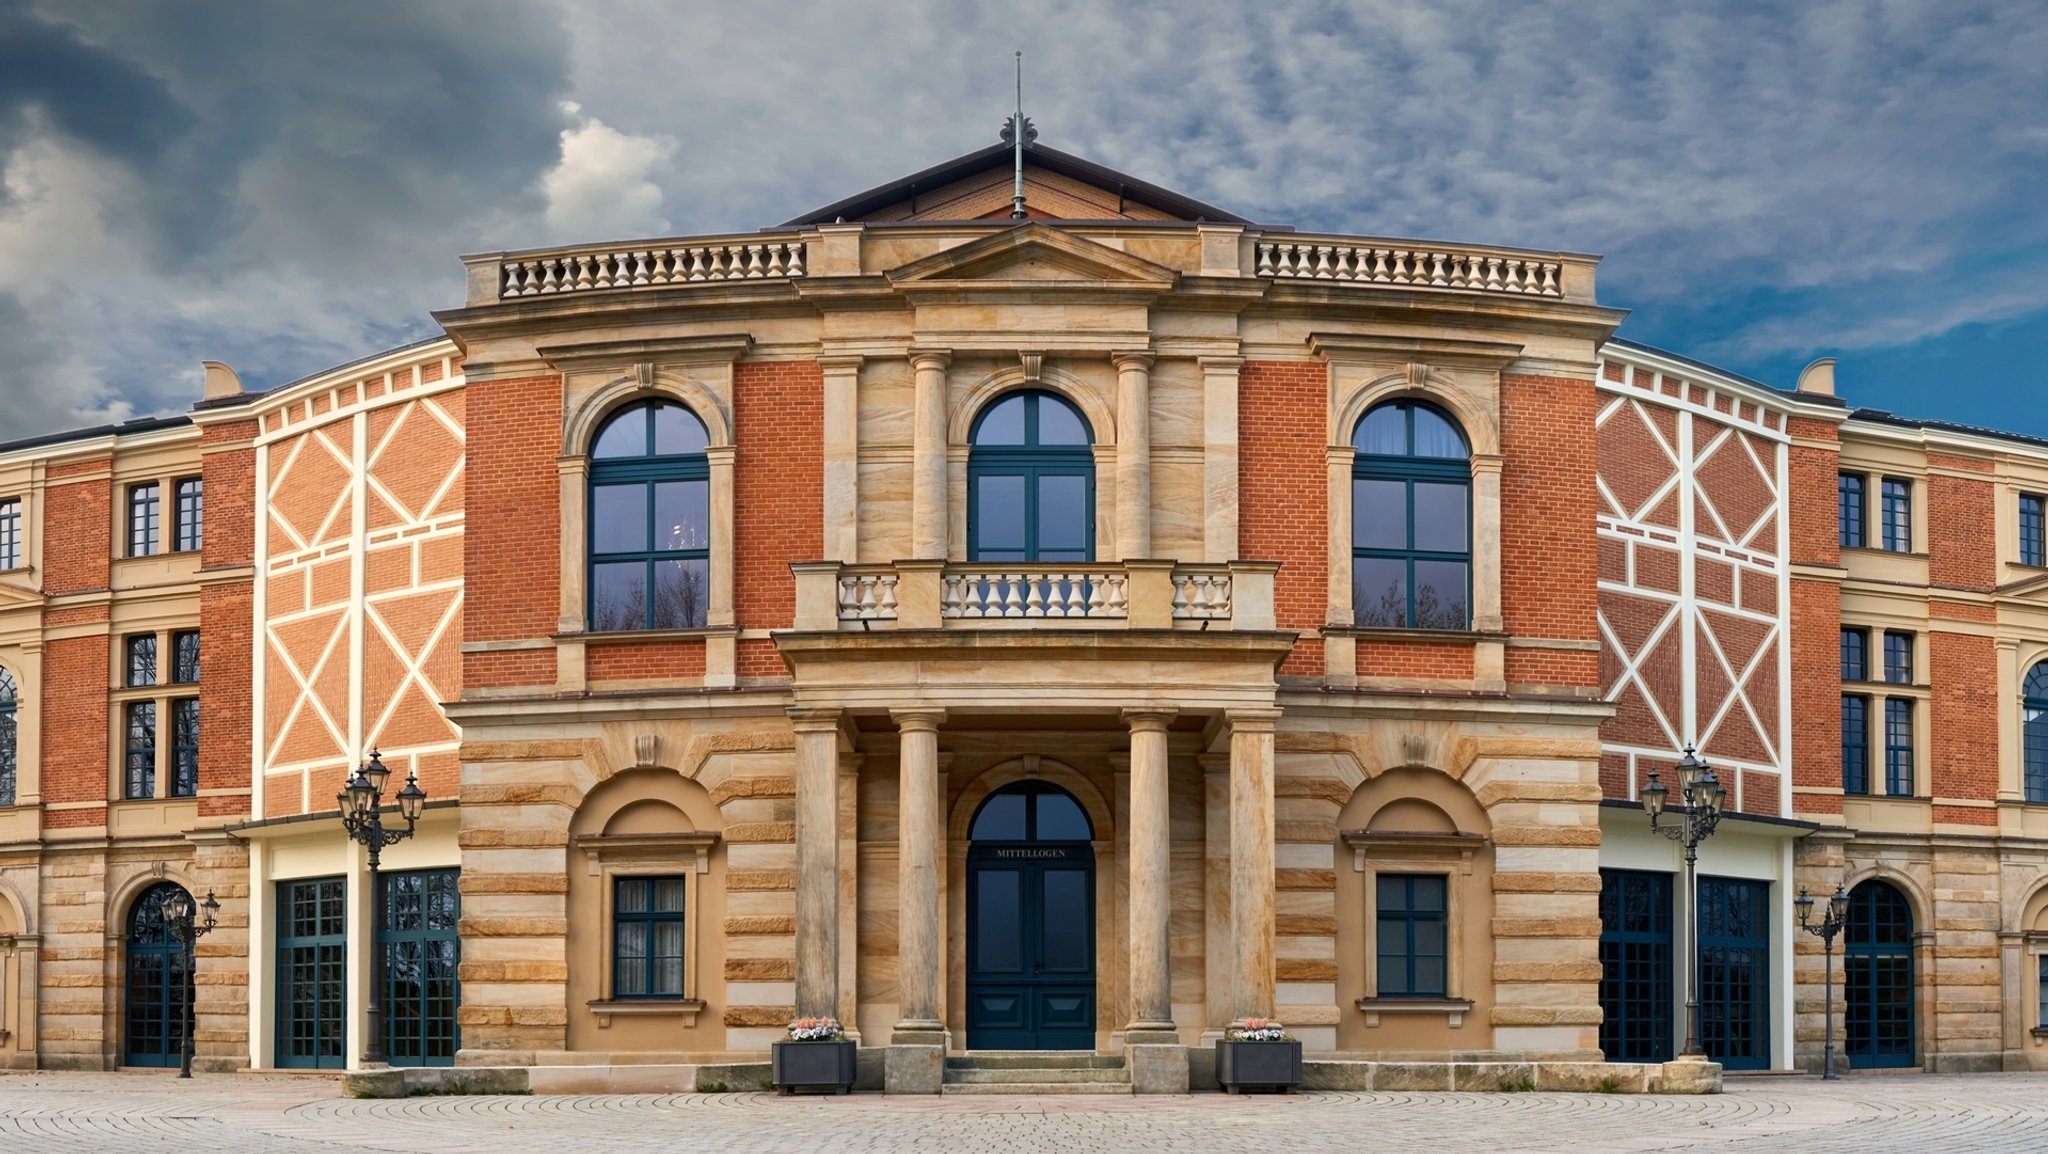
[1413,267]
[944,595]
[647,265]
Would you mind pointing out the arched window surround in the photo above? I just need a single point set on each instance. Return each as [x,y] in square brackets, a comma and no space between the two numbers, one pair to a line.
[700,383]
[1045,471]
[1417,560]
[634,489]
[1095,407]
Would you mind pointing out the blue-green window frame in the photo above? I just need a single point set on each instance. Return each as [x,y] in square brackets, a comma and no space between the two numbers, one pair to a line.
[311,1023]
[1895,514]
[1410,470]
[2034,735]
[1852,499]
[422,966]
[647,471]
[138,728]
[2033,529]
[188,514]
[650,918]
[1898,746]
[184,747]
[1395,931]
[1855,744]
[1855,654]
[145,504]
[9,736]
[10,532]
[1031,461]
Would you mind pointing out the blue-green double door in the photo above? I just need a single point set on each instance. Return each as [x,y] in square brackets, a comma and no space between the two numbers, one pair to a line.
[1031,947]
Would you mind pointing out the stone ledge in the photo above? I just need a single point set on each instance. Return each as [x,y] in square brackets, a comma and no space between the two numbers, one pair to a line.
[648,1078]
[1574,1077]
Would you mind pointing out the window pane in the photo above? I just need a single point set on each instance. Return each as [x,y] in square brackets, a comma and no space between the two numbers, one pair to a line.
[1429,894]
[618,596]
[625,435]
[1898,516]
[10,534]
[668,895]
[1062,518]
[1855,745]
[677,430]
[142,520]
[190,513]
[142,659]
[618,518]
[1440,517]
[1065,904]
[1379,592]
[682,515]
[682,593]
[1394,973]
[185,657]
[1855,656]
[185,747]
[1429,973]
[1898,747]
[1383,432]
[1435,436]
[1440,595]
[1379,514]
[999,514]
[1003,423]
[1898,658]
[632,896]
[1392,892]
[2033,531]
[999,918]
[1001,819]
[140,775]
[1849,510]
[1060,818]
[1058,424]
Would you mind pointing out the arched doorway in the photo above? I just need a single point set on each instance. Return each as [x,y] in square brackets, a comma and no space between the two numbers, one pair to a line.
[1030,922]
[1877,956]
[158,983]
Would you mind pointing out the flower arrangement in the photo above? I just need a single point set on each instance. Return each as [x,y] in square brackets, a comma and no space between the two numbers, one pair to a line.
[817,1030]
[1258,1030]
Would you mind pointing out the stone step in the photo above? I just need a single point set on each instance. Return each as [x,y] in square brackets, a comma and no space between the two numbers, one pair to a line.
[1048,1076]
[1035,1088]
[1035,1060]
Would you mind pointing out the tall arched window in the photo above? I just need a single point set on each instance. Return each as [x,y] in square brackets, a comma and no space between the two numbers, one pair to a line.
[1030,481]
[1411,520]
[650,520]
[2034,722]
[7,737]
[159,985]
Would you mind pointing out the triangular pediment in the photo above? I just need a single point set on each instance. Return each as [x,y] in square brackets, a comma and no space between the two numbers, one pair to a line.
[1032,253]
[14,595]
[2034,586]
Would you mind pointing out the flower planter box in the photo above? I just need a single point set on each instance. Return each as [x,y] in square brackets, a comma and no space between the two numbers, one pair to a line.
[1242,1066]
[827,1066]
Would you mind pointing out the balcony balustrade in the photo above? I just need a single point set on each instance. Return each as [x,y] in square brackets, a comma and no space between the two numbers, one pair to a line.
[985,595]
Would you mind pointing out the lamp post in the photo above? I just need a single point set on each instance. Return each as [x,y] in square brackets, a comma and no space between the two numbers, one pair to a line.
[1831,924]
[178,919]
[362,816]
[1700,796]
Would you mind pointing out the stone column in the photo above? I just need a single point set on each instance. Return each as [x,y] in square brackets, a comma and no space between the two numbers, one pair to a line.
[817,861]
[1251,862]
[1133,454]
[842,458]
[1486,606]
[918,838]
[1151,866]
[928,456]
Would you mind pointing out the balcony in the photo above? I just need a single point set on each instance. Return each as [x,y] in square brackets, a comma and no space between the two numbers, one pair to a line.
[1236,595]
[648,264]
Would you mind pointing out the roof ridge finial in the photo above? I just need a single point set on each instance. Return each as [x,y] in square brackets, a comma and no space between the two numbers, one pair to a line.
[1017,133]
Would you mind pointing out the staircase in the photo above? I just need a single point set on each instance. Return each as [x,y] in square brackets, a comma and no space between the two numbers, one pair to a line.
[1036,1072]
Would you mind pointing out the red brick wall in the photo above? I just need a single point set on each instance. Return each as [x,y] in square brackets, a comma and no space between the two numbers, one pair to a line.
[1549,552]
[1962,524]
[778,496]
[1815,536]
[1816,688]
[1283,495]
[226,636]
[512,551]
[1449,660]
[1963,672]
[228,466]
[78,523]
[75,747]
[645,660]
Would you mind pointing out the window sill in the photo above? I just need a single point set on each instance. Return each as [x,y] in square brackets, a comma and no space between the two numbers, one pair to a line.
[685,1008]
[1881,551]
[1453,1009]
[1423,636]
[627,636]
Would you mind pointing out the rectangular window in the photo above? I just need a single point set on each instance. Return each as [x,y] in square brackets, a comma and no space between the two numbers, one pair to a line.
[1898,746]
[312,973]
[142,519]
[1898,658]
[185,657]
[142,659]
[2042,1020]
[647,937]
[1855,655]
[188,517]
[1855,744]
[2033,530]
[1849,509]
[185,747]
[139,762]
[1413,935]
[1897,515]
[10,533]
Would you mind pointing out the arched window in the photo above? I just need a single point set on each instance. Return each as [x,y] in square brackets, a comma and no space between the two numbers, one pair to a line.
[7,737]
[1411,520]
[2034,722]
[650,520]
[1030,811]
[158,982]
[1030,482]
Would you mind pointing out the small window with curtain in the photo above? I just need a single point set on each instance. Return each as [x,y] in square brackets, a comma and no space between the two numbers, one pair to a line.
[1855,654]
[1413,935]
[185,656]
[650,520]
[1897,515]
[1855,744]
[139,752]
[142,659]
[10,533]
[143,515]
[1898,657]
[188,515]
[1898,746]
[1850,506]
[2033,530]
[1411,520]
[647,937]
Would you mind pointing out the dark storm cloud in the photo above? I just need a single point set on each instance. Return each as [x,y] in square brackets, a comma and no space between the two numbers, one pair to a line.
[48,72]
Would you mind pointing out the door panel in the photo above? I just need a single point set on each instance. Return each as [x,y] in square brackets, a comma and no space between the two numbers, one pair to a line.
[1735,972]
[1031,950]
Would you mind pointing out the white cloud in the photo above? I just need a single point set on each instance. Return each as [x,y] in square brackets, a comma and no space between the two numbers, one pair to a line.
[601,189]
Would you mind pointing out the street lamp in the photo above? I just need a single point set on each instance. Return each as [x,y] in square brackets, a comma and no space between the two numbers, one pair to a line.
[1700,796]
[178,919]
[1831,923]
[362,817]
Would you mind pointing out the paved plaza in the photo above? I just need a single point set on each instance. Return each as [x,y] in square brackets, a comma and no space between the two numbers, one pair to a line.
[1864,1115]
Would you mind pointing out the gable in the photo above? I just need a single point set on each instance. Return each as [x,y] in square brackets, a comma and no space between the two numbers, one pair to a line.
[1035,253]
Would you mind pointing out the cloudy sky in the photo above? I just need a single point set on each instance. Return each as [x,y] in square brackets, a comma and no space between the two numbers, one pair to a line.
[287,186]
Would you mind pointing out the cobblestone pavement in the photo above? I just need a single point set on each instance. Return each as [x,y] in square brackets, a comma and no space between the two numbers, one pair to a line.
[1865,1115]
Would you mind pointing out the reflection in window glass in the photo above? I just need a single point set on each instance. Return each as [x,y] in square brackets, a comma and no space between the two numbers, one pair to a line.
[999,509]
[1379,514]
[1060,818]
[1001,818]
[999,914]
[618,518]
[1062,518]
[1031,482]
[650,520]
[1411,523]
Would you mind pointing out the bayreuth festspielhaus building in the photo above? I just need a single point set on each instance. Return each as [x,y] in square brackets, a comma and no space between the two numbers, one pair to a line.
[1070,633]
